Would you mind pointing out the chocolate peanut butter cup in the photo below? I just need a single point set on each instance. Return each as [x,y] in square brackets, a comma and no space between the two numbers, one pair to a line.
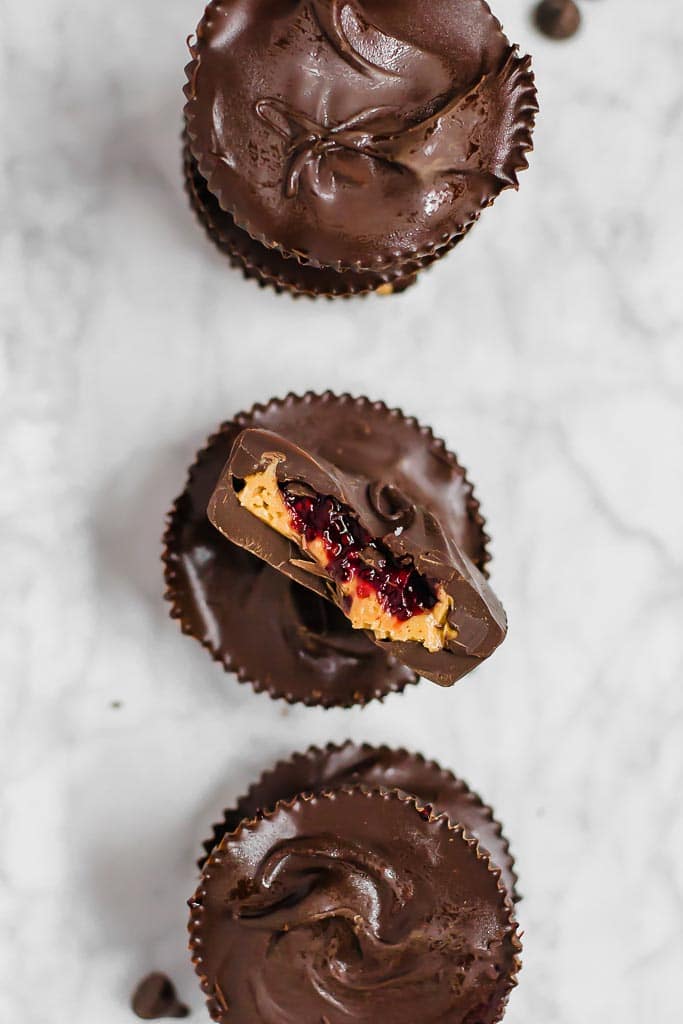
[388,562]
[357,135]
[268,628]
[377,767]
[358,906]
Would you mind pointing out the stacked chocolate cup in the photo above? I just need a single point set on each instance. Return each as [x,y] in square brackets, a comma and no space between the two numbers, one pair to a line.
[356,884]
[338,147]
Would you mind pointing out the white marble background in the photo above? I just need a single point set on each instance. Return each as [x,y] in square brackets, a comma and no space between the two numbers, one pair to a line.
[547,350]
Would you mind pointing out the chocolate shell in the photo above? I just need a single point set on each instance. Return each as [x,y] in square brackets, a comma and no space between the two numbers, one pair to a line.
[222,595]
[359,135]
[407,530]
[376,767]
[353,906]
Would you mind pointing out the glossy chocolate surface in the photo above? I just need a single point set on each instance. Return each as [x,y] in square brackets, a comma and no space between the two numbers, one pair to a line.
[350,764]
[387,508]
[357,134]
[352,907]
[230,600]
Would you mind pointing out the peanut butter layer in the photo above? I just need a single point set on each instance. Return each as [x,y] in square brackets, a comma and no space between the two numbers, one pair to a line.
[262,497]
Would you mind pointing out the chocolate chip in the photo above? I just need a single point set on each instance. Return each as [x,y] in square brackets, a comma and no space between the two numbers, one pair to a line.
[155,997]
[558,19]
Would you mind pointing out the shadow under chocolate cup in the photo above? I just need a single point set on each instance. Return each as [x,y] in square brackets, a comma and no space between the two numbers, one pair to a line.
[356,905]
[271,631]
[382,767]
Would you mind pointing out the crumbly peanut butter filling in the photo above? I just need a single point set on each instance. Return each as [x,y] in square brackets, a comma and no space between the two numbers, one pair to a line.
[261,496]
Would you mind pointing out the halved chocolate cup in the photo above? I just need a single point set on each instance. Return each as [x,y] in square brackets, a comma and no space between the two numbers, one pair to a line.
[355,905]
[351,764]
[255,621]
[449,620]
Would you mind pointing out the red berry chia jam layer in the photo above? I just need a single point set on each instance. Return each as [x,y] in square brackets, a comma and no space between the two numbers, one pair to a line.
[353,554]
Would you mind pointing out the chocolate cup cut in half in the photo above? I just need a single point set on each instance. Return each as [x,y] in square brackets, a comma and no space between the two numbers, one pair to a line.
[376,767]
[357,135]
[387,562]
[353,905]
[273,632]
[269,266]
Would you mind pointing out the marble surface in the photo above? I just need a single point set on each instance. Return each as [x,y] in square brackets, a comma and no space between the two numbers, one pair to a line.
[547,350]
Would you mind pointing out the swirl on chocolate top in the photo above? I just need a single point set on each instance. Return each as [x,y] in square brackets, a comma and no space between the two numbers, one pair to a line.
[353,906]
[357,134]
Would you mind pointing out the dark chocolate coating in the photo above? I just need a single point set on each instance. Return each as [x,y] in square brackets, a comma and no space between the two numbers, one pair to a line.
[229,600]
[155,999]
[356,906]
[558,19]
[269,266]
[350,764]
[357,134]
[408,529]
